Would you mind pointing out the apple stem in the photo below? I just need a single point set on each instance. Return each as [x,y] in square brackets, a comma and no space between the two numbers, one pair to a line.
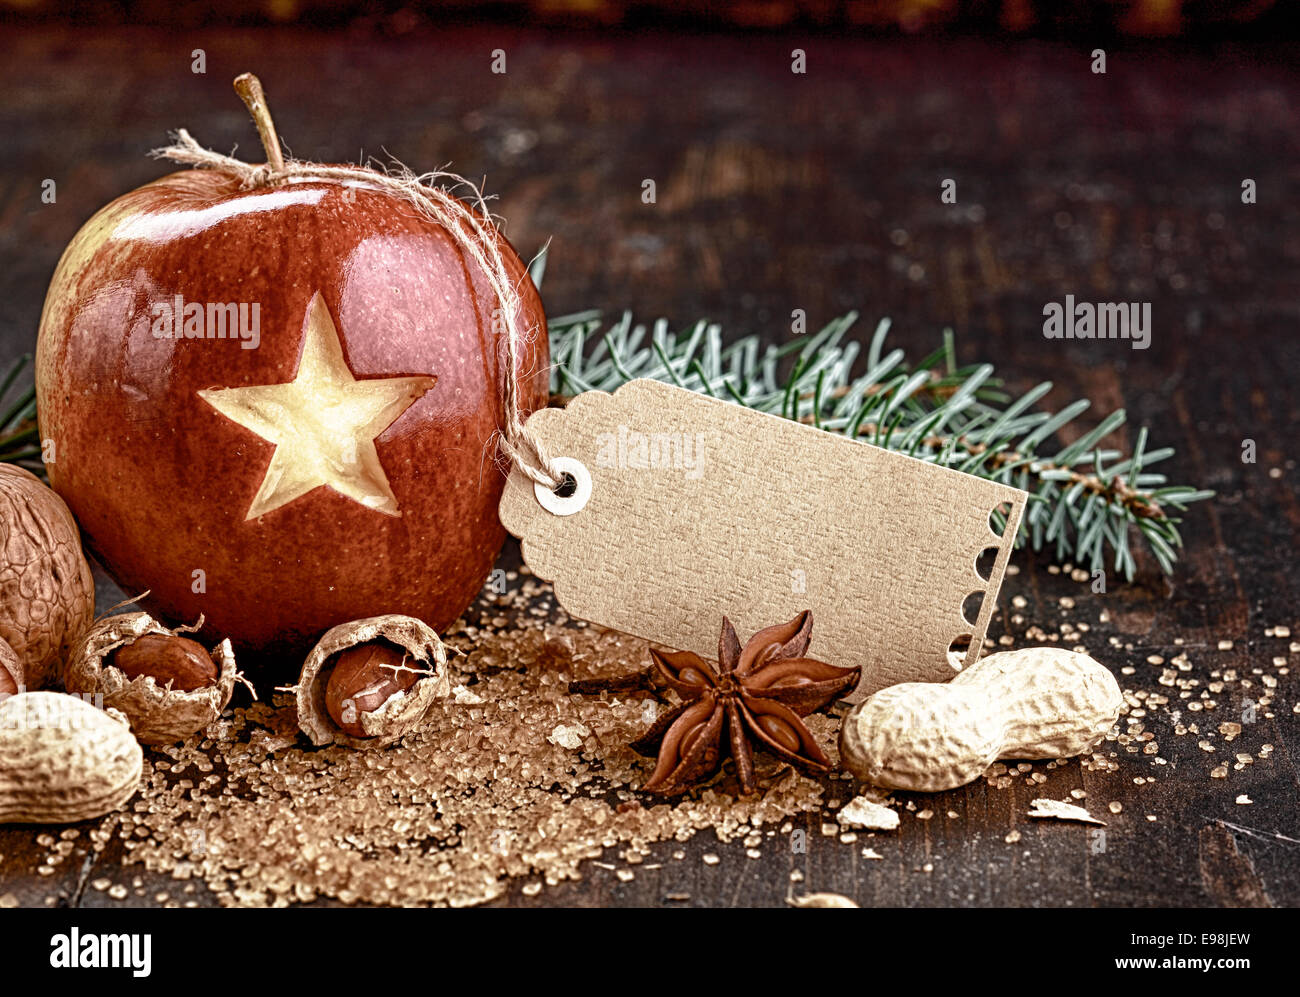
[250,91]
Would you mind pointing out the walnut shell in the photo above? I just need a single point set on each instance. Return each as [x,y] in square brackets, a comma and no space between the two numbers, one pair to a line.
[397,717]
[157,714]
[47,594]
[62,760]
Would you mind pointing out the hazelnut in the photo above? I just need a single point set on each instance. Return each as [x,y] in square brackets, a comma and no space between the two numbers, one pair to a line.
[168,686]
[175,662]
[363,679]
[368,683]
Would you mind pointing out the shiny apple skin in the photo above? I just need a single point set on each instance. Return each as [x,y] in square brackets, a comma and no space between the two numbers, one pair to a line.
[161,482]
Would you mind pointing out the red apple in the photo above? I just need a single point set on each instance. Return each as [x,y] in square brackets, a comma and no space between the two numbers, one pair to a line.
[334,464]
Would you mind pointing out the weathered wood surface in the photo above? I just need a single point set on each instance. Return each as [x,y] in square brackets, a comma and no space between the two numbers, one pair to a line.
[821,192]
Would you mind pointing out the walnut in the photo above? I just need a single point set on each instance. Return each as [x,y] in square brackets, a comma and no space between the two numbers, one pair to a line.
[47,595]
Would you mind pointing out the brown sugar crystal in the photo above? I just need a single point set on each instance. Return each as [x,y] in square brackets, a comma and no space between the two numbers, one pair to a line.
[480,794]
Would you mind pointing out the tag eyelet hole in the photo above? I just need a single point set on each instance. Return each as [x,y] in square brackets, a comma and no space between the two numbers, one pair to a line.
[571,494]
[567,487]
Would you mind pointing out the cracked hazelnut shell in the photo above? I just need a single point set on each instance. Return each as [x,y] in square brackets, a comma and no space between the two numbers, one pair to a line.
[400,714]
[11,671]
[159,712]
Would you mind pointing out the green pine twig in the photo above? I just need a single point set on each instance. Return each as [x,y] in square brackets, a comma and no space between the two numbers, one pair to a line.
[19,439]
[1086,501]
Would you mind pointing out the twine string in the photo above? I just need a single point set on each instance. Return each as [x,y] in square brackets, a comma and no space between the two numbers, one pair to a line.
[473,230]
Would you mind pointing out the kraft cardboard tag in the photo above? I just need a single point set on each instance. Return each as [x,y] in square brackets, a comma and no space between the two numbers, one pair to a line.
[686,508]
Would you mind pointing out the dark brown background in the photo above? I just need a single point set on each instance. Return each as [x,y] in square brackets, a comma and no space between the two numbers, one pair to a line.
[1139,18]
[821,192]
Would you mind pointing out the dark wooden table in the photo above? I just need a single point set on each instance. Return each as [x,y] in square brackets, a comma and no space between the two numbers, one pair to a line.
[821,191]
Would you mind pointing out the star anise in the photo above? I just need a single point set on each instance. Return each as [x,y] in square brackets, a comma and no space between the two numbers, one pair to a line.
[755,698]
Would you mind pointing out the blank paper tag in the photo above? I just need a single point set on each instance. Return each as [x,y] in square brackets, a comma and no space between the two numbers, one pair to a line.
[686,508]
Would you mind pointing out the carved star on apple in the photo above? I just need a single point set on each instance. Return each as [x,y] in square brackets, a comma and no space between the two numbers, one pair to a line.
[315,479]
[323,423]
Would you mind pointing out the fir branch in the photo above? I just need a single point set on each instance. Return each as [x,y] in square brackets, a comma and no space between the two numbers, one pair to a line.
[1085,501]
[19,439]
